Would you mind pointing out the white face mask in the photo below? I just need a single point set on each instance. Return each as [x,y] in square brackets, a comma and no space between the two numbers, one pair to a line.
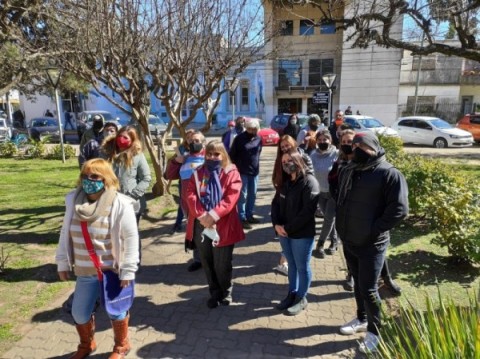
[293,122]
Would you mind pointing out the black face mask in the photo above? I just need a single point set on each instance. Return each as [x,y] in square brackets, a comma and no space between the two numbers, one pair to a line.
[195,147]
[239,127]
[313,127]
[97,126]
[347,149]
[251,135]
[322,146]
[360,156]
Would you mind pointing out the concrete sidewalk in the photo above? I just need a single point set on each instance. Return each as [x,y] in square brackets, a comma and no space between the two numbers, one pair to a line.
[170,319]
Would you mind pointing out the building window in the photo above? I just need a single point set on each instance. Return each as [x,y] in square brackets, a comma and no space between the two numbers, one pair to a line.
[318,68]
[428,63]
[289,73]
[327,27]
[231,99]
[244,93]
[306,27]
[286,27]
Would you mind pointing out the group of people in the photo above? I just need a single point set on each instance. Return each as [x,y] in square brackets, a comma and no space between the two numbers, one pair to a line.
[359,193]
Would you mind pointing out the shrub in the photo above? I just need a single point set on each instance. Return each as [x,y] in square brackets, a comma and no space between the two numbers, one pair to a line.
[447,332]
[56,152]
[393,146]
[36,149]
[8,149]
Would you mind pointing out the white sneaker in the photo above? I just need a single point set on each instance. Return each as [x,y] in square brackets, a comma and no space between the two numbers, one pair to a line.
[370,343]
[354,326]
[282,268]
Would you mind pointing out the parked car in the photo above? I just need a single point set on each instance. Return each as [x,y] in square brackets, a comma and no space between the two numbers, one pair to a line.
[155,125]
[431,131]
[5,131]
[269,137]
[85,120]
[280,121]
[471,123]
[366,123]
[41,127]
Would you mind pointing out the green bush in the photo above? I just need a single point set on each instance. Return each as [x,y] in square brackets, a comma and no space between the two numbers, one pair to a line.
[56,152]
[36,149]
[8,149]
[447,332]
[450,203]
[393,146]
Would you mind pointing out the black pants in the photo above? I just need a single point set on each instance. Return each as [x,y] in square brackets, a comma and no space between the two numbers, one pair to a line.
[365,264]
[217,264]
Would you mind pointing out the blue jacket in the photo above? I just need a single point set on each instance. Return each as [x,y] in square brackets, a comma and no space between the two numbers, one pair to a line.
[245,153]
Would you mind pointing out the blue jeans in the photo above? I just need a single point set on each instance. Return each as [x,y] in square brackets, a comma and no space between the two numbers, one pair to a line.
[87,290]
[327,205]
[248,194]
[298,252]
[365,264]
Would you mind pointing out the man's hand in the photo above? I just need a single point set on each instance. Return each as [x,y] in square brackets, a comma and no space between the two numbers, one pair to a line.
[207,221]
[280,230]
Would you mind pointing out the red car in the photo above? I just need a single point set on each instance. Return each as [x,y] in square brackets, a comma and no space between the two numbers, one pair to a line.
[471,123]
[269,137]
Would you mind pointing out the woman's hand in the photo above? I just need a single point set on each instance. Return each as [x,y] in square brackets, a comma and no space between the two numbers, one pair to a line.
[63,276]
[124,283]
[207,220]
[280,230]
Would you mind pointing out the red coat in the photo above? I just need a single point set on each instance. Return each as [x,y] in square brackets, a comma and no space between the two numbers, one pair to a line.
[229,227]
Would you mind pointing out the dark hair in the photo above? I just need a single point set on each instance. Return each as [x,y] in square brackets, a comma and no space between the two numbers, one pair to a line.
[324,133]
[297,160]
[292,116]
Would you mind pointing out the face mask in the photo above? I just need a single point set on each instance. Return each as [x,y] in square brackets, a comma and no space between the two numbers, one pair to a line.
[289,167]
[239,126]
[97,126]
[347,149]
[322,146]
[251,135]
[293,122]
[123,143]
[360,156]
[213,165]
[314,127]
[92,187]
[195,147]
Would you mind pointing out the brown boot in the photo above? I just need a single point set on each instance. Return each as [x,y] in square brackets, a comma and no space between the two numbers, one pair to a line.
[87,344]
[120,334]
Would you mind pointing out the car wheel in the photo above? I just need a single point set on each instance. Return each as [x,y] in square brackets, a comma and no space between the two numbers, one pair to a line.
[440,143]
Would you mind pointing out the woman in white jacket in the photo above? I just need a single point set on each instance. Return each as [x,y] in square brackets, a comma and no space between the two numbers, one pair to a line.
[112,226]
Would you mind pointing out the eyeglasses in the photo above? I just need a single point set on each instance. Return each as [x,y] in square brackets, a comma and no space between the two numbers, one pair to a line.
[92,177]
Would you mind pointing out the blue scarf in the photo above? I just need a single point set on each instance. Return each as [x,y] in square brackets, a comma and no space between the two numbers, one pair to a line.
[213,193]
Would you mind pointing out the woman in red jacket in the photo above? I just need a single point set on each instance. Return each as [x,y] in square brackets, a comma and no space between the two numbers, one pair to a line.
[213,222]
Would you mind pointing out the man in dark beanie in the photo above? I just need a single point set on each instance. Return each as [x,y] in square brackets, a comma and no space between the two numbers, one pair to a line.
[372,199]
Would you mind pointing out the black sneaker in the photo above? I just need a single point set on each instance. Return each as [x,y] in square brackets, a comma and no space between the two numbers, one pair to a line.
[227,300]
[194,266]
[287,301]
[253,220]
[349,284]
[331,250]
[246,225]
[393,287]
[212,303]
[320,252]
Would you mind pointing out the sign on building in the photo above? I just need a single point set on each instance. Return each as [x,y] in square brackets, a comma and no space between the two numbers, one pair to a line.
[320,98]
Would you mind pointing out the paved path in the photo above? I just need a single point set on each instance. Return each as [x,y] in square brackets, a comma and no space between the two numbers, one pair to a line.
[170,318]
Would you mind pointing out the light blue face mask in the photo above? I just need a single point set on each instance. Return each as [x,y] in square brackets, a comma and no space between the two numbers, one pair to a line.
[92,187]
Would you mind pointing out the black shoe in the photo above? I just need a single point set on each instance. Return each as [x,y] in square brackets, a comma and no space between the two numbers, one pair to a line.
[253,220]
[246,225]
[194,266]
[227,300]
[349,284]
[287,301]
[299,305]
[331,250]
[393,287]
[212,303]
[320,252]
[176,229]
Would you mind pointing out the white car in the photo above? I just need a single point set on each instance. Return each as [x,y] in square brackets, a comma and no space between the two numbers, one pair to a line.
[366,123]
[431,131]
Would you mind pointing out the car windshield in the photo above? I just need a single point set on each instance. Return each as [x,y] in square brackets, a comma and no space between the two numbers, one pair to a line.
[371,123]
[438,123]
[107,116]
[155,121]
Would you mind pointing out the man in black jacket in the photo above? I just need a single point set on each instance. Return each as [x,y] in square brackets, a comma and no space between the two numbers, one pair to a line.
[372,199]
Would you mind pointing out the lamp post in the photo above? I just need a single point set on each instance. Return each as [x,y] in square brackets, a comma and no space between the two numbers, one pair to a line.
[232,86]
[329,79]
[54,74]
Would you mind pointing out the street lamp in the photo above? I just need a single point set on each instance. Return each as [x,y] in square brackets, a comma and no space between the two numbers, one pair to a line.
[232,86]
[329,79]
[54,74]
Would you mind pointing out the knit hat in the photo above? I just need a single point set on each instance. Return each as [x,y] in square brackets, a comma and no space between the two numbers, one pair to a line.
[368,138]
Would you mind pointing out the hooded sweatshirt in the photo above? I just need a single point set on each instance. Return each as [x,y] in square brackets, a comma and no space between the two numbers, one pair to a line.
[322,165]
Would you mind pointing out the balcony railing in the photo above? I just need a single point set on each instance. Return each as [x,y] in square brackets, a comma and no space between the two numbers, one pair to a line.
[470,77]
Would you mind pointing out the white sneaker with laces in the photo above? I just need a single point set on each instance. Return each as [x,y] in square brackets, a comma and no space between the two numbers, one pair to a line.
[370,343]
[282,268]
[354,326]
